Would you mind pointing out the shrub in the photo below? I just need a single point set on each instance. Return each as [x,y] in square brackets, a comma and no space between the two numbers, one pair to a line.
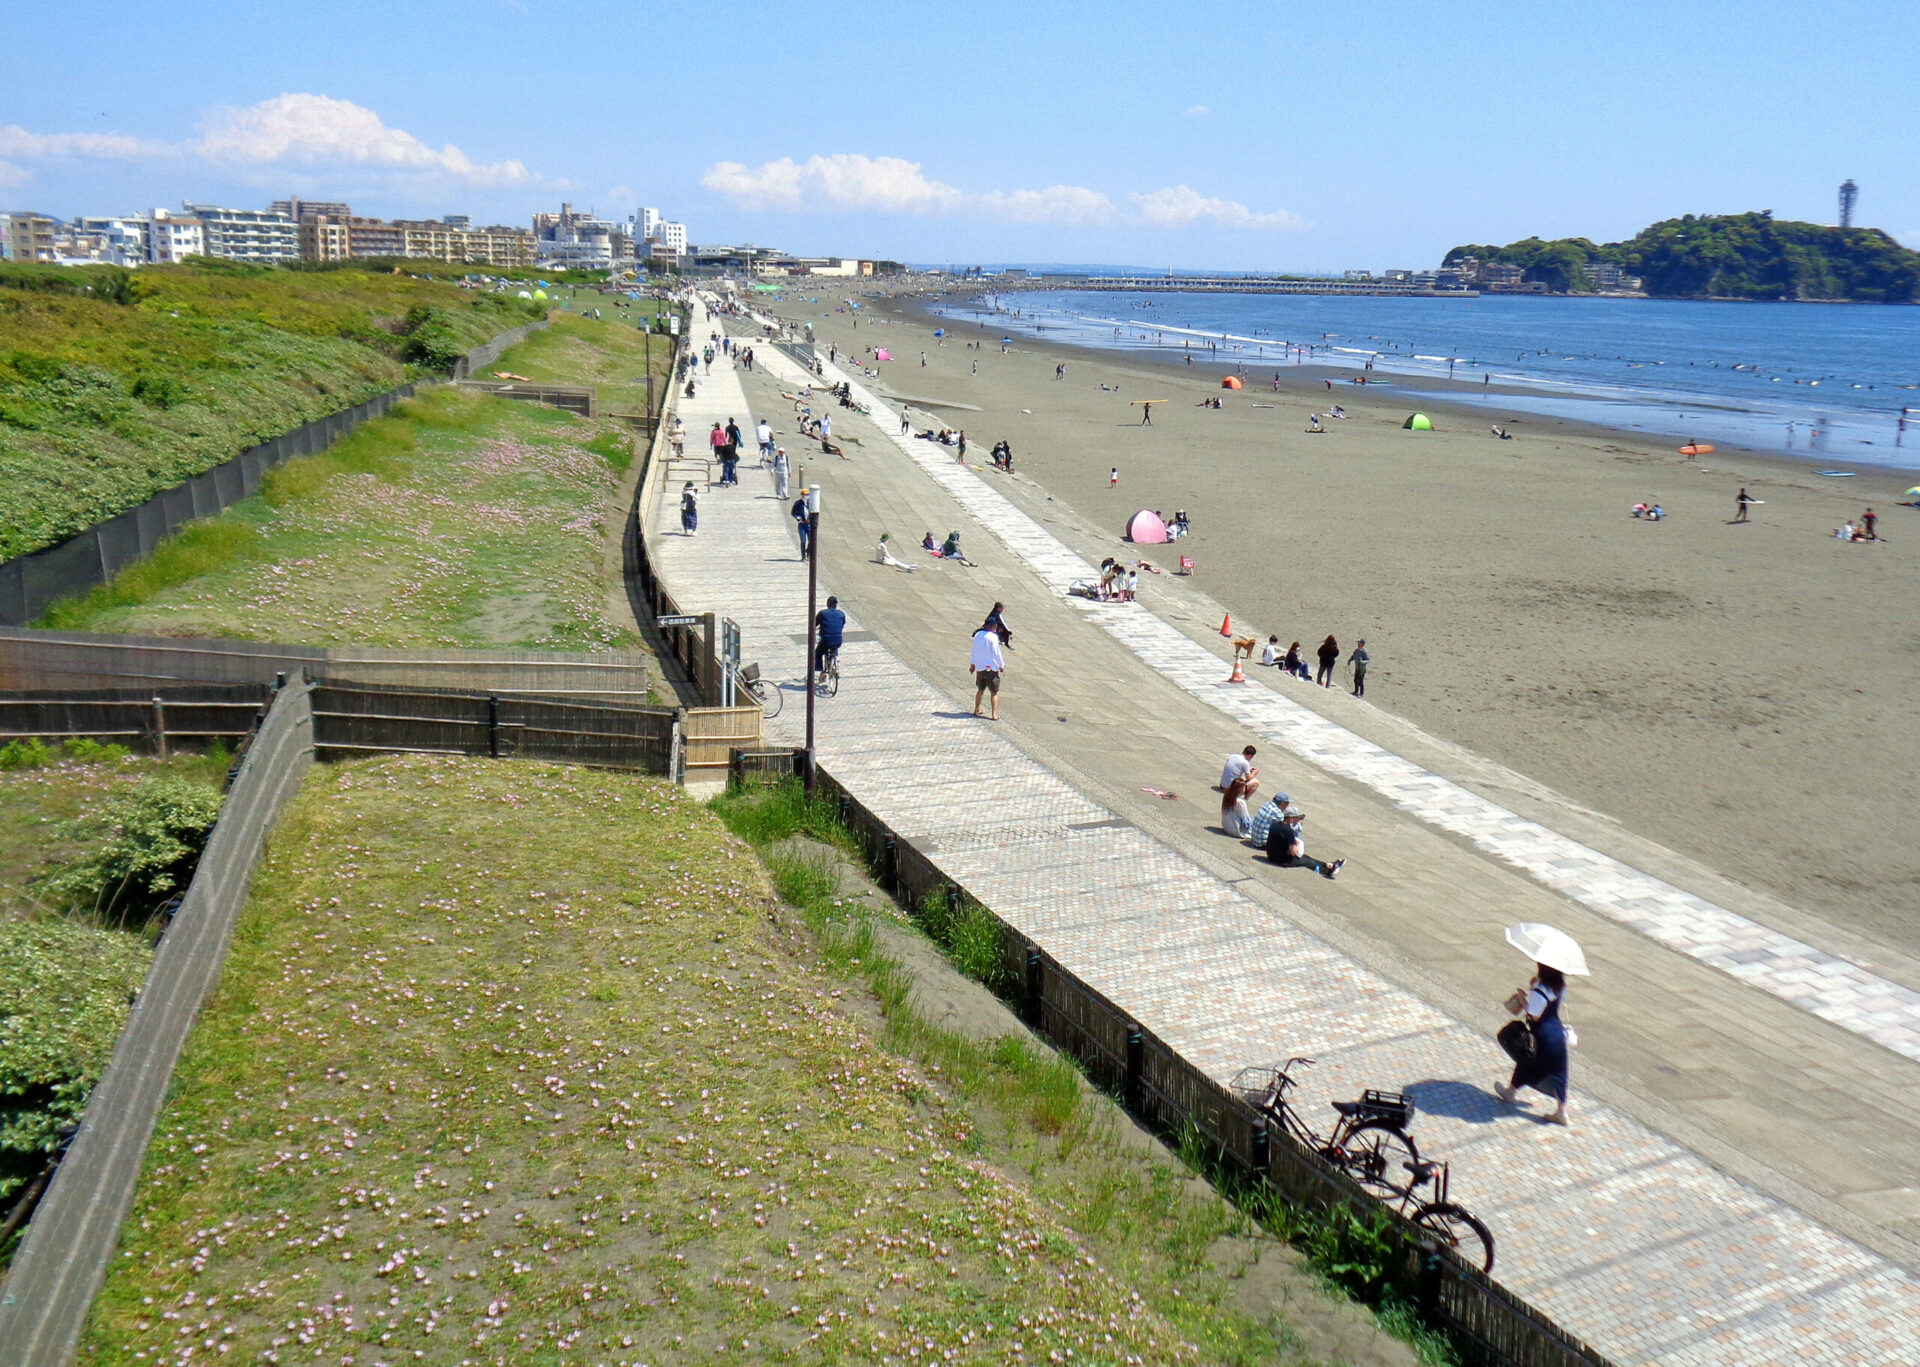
[431,340]
[87,750]
[144,843]
[162,391]
[63,1000]
[25,753]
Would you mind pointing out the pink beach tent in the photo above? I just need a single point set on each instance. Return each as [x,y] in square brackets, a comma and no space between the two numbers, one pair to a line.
[1147,529]
[883,355]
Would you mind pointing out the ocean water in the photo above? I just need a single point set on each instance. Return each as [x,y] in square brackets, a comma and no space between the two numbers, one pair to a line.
[1836,384]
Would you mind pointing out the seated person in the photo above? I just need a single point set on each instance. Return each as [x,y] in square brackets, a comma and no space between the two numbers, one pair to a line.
[1264,819]
[1286,846]
[1272,654]
[927,543]
[951,549]
[1295,663]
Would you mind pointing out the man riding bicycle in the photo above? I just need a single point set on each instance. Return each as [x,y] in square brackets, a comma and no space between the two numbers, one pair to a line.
[830,625]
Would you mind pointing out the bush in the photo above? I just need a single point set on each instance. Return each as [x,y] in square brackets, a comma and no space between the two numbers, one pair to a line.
[63,1000]
[431,340]
[89,751]
[25,753]
[144,846]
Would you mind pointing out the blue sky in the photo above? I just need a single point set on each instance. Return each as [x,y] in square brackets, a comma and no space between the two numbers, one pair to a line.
[1306,136]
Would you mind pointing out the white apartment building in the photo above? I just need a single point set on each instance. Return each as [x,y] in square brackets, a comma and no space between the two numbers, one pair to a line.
[247,234]
[649,225]
[673,236]
[174,236]
[116,240]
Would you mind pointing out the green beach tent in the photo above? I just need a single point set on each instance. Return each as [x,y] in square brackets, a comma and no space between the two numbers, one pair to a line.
[1418,422]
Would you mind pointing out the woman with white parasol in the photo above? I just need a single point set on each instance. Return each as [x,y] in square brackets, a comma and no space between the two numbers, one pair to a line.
[1542,1067]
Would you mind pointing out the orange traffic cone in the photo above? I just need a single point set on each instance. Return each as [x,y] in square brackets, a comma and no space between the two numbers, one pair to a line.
[1238,675]
[1226,625]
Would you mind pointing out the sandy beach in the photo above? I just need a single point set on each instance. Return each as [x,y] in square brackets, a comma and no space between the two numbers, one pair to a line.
[1741,693]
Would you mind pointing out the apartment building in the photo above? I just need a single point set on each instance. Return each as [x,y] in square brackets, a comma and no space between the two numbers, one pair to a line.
[674,237]
[375,237]
[297,209]
[27,236]
[258,235]
[495,246]
[113,240]
[174,236]
[324,237]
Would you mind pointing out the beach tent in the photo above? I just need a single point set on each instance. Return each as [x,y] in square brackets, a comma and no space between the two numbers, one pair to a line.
[539,294]
[939,332]
[1913,494]
[1418,422]
[883,355]
[1145,528]
[1231,382]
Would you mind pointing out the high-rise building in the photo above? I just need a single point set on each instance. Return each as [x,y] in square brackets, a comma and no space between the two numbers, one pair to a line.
[649,225]
[674,237]
[297,209]
[247,234]
[1849,195]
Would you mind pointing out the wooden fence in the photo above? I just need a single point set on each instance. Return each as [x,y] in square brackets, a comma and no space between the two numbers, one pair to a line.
[574,398]
[351,720]
[141,719]
[31,659]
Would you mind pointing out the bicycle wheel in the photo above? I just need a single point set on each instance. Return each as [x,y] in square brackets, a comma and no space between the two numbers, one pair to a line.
[1376,1156]
[833,677]
[771,698]
[1460,1230]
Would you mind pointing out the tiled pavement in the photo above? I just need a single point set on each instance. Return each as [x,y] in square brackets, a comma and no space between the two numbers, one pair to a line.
[1628,1239]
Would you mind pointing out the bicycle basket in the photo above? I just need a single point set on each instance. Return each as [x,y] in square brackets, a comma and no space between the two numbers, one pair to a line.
[1257,1085]
[1394,1108]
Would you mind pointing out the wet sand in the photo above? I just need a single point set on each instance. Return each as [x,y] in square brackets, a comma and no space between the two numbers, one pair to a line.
[1744,694]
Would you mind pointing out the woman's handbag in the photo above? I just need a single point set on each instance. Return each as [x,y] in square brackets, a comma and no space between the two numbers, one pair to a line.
[1516,1037]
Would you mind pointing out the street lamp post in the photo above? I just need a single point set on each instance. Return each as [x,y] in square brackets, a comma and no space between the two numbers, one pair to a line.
[813,629]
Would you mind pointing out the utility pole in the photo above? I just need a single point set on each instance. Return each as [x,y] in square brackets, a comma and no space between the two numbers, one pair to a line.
[813,629]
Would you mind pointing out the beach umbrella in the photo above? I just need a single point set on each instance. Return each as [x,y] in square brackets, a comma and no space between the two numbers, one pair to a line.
[1913,494]
[1146,528]
[883,355]
[1231,382]
[1547,945]
[1418,422]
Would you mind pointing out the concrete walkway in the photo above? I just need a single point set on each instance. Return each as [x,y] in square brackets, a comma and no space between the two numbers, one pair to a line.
[1628,1238]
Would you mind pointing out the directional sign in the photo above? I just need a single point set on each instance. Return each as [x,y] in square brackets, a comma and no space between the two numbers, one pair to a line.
[678,620]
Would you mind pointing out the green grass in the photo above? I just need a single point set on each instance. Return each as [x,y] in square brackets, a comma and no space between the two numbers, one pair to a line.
[512,1063]
[115,385]
[609,353]
[456,520]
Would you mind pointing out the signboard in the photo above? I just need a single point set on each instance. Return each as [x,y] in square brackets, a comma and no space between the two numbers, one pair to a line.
[673,325]
[678,620]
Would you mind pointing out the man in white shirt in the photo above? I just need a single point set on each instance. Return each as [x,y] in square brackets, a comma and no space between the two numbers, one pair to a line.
[1238,780]
[986,662]
[764,435]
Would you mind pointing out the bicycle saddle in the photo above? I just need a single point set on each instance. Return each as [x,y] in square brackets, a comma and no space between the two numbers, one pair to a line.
[1421,1171]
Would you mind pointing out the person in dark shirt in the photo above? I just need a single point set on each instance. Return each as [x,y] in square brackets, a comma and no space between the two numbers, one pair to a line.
[1286,846]
[830,625]
[1329,654]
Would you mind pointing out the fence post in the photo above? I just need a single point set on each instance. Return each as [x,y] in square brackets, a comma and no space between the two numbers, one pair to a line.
[1136,1066]
[676,748]
[890,862]
[1262,1149]
[493,725]
[1030,1006]
[160,725]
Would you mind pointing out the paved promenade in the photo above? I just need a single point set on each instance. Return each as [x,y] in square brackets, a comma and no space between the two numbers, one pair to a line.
[1629,1238]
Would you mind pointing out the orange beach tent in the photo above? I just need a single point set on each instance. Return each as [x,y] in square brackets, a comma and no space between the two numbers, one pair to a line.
[1231,382]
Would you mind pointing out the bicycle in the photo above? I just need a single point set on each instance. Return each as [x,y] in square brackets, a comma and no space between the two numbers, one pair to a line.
[826,679]
[1452,1224]
[763,691]
[1370,1144]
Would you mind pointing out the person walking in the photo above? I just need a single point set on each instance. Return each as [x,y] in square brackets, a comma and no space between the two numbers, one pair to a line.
[1741,505]
[1113,478]
[987,661]
[716,446]
[689,510]
[1546,1071]
[1868,523]
[1360,660]
[799,512]
[730,455]
[1287,846]
[779,472]
[1329,654]
[962,443]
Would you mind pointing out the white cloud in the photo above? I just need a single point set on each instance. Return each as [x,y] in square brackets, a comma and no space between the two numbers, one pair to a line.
[1180,206]
[13,175]
[320,130]
[1194,111]
[283,132]
[850,182]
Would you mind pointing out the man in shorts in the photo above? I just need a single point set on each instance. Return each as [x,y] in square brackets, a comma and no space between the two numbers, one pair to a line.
[986,662]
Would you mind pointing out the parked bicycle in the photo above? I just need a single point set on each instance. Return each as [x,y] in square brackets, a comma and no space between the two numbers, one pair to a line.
[1453,1225]
[1370,1144]
[763,691]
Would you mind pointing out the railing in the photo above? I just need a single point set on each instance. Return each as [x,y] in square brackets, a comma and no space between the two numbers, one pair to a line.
[574,398]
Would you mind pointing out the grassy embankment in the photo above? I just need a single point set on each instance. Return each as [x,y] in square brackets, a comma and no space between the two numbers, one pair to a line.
[517,1063]
[456,520]
[115,385]
[66,970]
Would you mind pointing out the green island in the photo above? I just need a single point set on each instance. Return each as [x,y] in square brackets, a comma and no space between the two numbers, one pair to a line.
[1725,256]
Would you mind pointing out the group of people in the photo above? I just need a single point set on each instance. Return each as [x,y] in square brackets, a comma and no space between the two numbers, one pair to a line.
[945,550]
[1292,661]
[1278,827]
[1868,528]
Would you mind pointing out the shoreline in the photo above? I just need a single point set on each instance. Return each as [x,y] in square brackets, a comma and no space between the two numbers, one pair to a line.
[1734,692]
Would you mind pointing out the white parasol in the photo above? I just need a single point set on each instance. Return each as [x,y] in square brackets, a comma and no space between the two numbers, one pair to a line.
[1546,945]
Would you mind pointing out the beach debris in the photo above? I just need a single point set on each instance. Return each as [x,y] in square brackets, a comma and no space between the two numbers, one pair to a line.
[1160,793]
